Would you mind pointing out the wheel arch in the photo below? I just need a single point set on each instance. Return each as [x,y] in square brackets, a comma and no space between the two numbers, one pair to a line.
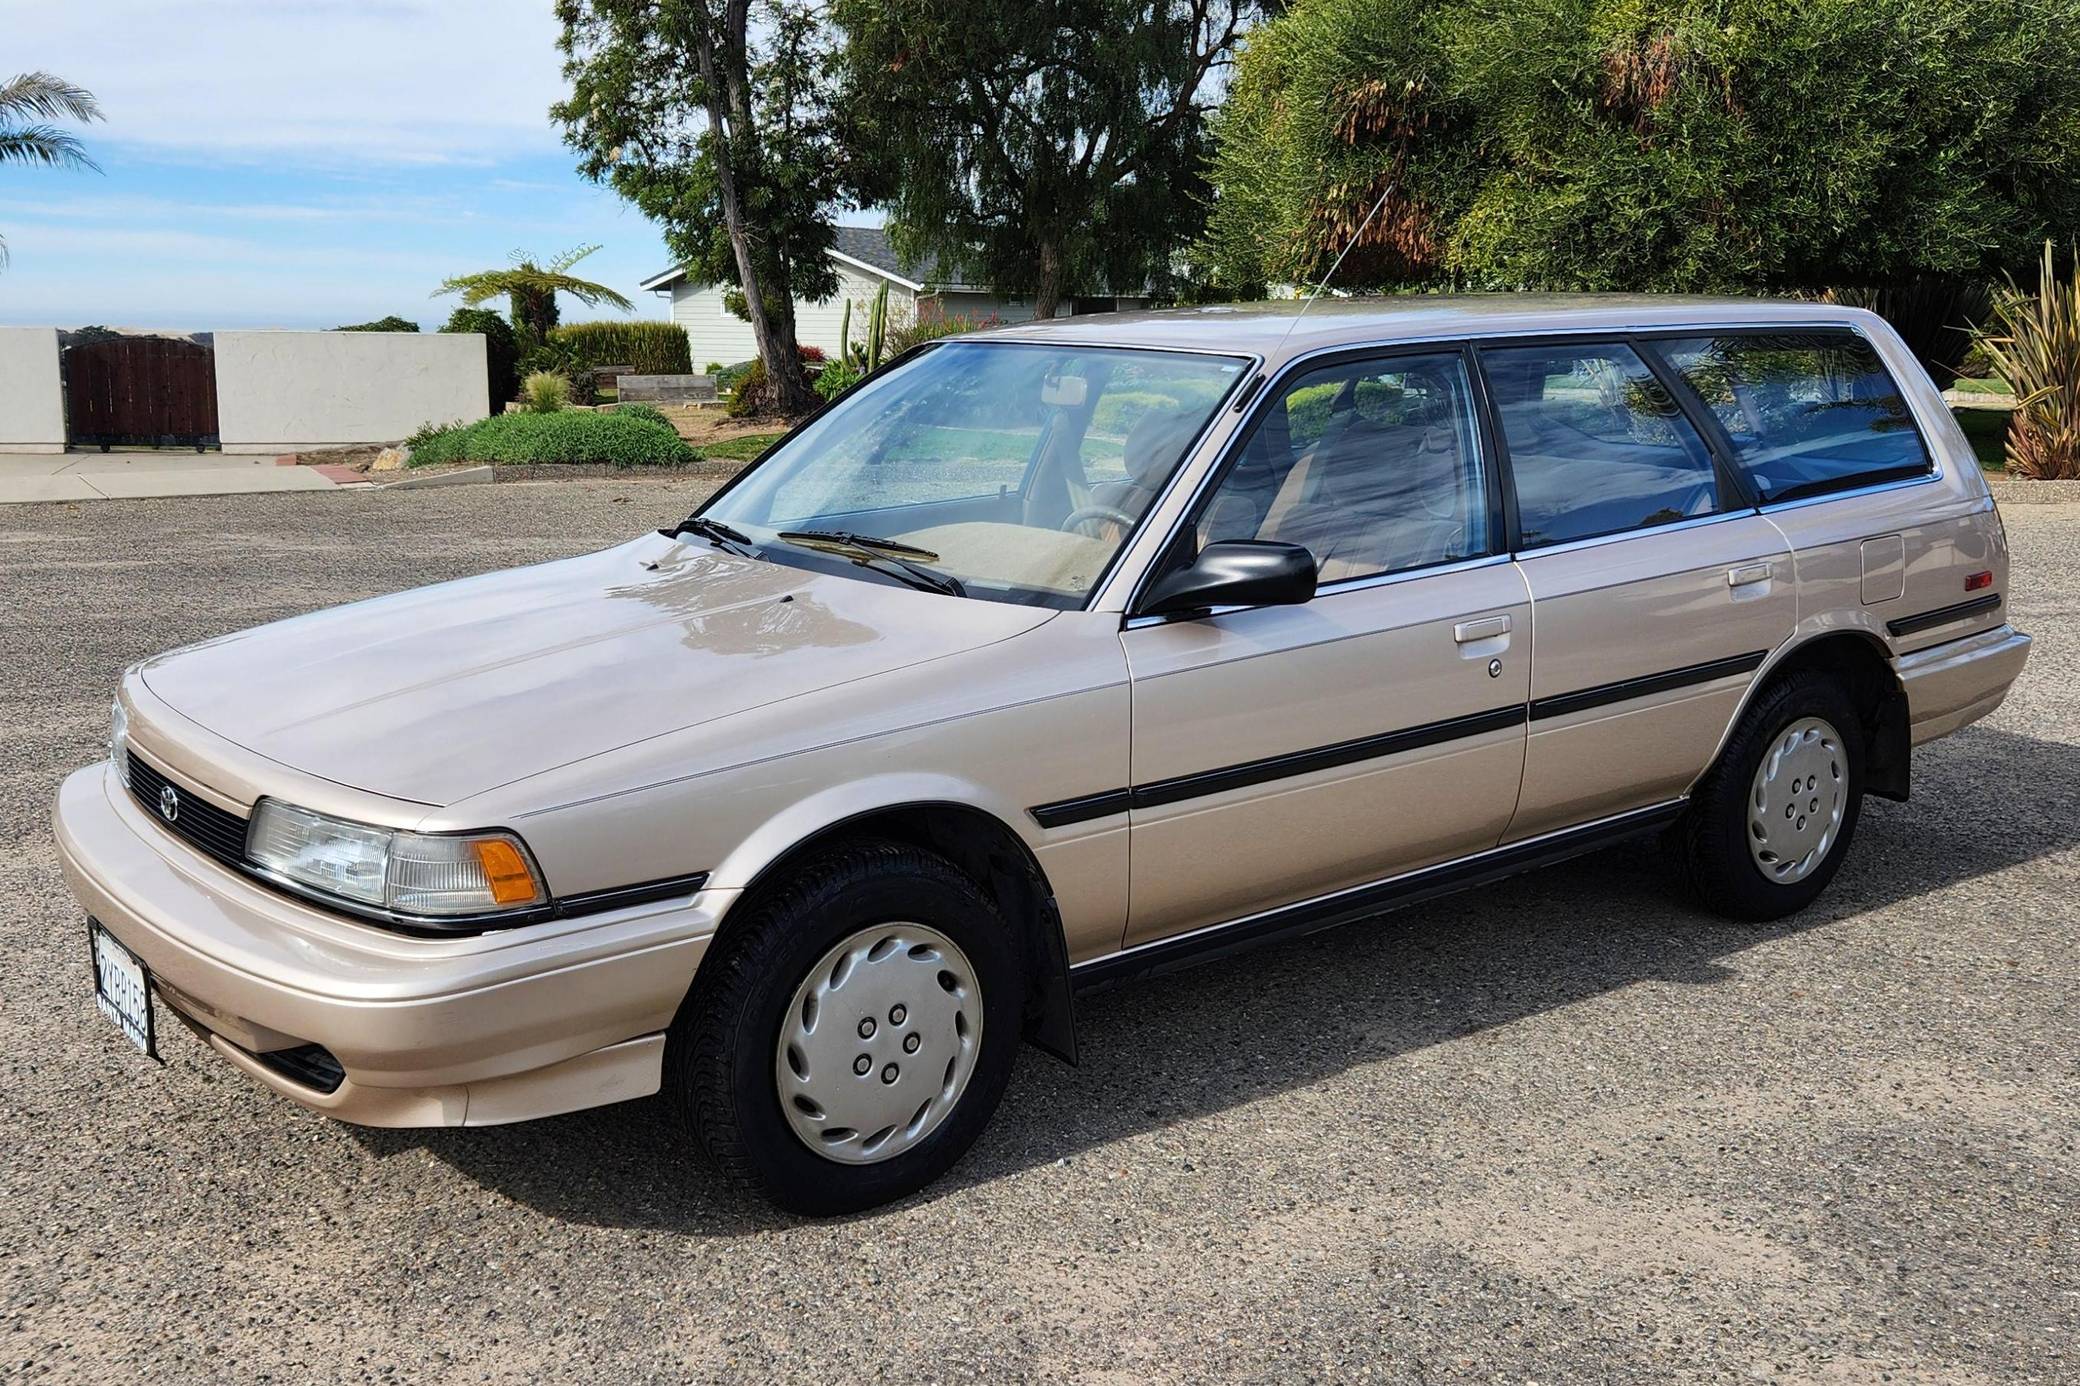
[983,847]
[1855,655]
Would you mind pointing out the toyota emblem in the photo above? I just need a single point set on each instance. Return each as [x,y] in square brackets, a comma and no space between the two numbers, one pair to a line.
[169,803]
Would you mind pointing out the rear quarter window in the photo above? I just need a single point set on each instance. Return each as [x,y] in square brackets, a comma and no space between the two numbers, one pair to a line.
[1808,412]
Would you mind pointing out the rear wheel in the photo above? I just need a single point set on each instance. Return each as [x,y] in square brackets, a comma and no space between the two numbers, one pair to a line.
[846,1041]
[1769,824]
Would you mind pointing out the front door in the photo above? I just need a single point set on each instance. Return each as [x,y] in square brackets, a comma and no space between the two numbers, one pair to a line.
[1285,753]
[1656,589]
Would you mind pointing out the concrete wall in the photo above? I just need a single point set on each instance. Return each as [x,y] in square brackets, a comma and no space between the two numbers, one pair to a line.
[32,403]
[295,391]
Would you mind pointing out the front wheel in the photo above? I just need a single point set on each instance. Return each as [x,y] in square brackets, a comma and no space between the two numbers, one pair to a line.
[1768,826]
[845,1042]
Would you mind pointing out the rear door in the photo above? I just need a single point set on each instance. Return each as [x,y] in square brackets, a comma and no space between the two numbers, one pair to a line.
[1656,588]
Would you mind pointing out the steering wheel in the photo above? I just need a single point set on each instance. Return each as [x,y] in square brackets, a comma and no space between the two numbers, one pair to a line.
[1085,514]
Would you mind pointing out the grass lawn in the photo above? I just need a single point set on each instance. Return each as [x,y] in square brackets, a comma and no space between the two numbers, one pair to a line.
[1988,431]
[738,449]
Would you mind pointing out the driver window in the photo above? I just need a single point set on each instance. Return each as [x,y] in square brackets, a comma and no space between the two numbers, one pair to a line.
[1372,466]
[1596,445]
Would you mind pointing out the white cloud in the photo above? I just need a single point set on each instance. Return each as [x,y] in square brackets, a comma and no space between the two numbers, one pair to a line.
[322,84]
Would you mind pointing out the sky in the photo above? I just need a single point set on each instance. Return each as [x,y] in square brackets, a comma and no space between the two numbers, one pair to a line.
[299,163]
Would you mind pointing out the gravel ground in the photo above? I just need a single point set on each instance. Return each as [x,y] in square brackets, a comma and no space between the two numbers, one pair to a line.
[1563,1129]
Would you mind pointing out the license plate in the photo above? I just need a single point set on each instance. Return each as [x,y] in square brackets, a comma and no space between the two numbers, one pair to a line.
[123,989]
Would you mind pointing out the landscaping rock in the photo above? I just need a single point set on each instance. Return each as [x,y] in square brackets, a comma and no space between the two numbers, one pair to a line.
[392,459]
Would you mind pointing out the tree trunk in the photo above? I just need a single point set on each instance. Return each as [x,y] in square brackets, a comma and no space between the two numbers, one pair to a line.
[775,339]
[1047,290]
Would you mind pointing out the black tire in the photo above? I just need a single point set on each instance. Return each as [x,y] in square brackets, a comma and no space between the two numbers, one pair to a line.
[719,1055]
[1710,842]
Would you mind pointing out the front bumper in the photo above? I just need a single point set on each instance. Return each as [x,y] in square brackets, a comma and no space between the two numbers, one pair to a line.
[471,1031]
[1960,681]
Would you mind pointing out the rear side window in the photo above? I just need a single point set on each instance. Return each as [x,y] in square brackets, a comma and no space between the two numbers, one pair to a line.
[1808,412]
[1596,444]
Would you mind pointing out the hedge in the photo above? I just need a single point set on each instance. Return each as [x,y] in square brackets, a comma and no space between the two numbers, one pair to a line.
[569,435]
[646,348]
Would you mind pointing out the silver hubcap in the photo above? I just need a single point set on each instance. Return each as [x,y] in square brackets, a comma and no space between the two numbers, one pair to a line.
[1795,805]
[879,1043]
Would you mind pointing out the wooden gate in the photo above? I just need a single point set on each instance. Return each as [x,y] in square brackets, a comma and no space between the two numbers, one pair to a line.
[141,391]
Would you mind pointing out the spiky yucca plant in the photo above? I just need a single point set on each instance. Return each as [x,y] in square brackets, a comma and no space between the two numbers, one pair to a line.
[2036,349]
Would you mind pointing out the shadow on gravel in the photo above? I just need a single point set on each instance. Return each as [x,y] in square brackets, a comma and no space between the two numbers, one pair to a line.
[1171,1048]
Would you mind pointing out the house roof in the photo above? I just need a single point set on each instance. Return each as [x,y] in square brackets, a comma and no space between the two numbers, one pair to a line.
[863,247]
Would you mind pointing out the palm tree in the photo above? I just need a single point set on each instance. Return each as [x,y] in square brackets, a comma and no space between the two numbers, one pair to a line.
[532,288]
[29,102]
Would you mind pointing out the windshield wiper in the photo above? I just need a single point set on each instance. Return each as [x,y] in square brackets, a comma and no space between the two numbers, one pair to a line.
[867,556]
[860,541]
[721,534]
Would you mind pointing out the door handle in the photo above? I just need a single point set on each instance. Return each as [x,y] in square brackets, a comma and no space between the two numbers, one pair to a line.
[1485,628]
[1747,574]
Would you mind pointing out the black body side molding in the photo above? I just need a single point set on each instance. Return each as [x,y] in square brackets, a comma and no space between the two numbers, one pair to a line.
[1363,902]
[1944,615]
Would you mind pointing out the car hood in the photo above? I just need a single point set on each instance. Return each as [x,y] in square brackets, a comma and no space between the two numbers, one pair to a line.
[442,692]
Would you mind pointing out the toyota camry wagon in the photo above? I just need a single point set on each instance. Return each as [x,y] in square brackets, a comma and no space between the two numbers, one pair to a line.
[1045,658]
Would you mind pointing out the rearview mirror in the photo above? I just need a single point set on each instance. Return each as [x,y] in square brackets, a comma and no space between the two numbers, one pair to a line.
[1065,391]
[1236,572]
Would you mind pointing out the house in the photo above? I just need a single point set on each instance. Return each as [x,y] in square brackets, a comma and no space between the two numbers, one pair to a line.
[865,261]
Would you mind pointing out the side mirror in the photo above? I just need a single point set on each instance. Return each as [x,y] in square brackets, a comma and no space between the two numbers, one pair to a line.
[1236,572]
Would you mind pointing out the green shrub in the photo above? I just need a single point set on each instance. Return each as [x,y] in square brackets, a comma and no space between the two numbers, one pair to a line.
[392,323]
[747,388]
[646,348]
[501,350]
[574,436]
[643,411]
[748,392]
[558,358]
[545,392]
[430,430]
[929,327]
[1657,145]
[836,378]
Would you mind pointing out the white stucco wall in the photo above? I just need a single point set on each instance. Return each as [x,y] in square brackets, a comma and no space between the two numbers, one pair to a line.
[32,402]
[291,391]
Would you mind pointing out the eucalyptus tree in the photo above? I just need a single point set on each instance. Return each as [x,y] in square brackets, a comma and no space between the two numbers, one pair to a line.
[1042,146]
[713,117]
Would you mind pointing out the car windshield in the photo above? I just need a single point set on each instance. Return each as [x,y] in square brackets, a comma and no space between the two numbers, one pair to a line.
[1003,471]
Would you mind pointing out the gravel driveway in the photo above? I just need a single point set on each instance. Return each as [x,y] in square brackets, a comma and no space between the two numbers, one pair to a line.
[1562,1129]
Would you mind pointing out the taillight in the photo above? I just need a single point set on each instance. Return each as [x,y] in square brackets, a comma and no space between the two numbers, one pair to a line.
[1979,581]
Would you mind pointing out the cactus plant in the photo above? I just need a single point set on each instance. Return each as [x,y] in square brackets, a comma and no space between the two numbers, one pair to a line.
[845,333]
[877,327]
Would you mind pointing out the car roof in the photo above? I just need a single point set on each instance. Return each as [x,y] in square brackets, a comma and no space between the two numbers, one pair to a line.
[1282,329]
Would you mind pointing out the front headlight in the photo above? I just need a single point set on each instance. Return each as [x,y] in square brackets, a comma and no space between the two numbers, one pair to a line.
[119,740]
[428,874]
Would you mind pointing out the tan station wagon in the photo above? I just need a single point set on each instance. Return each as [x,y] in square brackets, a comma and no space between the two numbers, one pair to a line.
[1042,659]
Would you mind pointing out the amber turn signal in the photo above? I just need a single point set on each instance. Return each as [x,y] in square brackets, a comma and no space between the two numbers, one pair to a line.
[506,871]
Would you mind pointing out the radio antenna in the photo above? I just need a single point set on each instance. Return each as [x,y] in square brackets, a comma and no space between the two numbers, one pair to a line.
[1349,245]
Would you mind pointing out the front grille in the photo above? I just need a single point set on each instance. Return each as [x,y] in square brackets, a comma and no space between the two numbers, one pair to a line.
[213,831]
[308,1065]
